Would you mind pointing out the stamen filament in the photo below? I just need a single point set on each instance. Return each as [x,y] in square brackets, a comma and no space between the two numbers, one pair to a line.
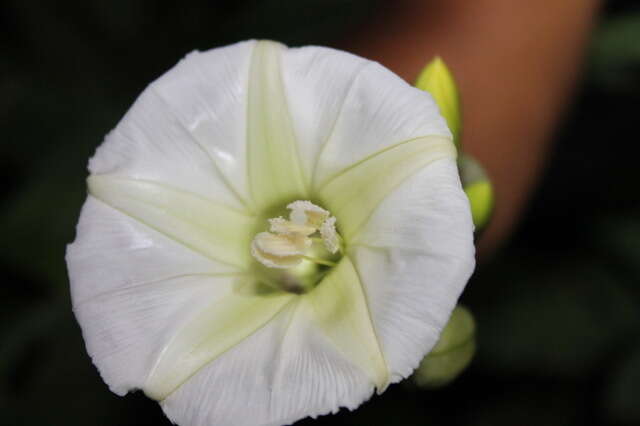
[340,244]
[320,261]
[321,241]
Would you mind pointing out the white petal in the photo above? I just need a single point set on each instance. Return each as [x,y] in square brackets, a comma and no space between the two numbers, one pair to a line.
[286,371]
[415,256]
[187,129]
[368,110]
[131,287]
[340,308]
[212,229]
[208,334]
[317,80]
[345,108]
[354,193]
[274,169]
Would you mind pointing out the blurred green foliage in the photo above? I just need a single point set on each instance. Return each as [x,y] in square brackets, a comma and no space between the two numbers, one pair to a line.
[558,310]
[615,54]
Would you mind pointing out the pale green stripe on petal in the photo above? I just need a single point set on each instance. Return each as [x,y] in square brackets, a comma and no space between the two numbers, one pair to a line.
[210,333]
[275,173]
[340,308]
[211,229]
[354,194]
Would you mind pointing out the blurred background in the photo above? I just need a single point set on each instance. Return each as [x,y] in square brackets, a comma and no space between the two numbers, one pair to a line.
[558,306]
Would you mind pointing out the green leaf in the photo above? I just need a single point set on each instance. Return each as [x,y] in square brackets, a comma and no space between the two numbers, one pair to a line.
[621,397]
[558,321]
[614,57]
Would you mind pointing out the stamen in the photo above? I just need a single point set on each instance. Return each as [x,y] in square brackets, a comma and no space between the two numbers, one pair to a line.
[307,213]
[288,241]
[279,251]
[280,225]
[330,237]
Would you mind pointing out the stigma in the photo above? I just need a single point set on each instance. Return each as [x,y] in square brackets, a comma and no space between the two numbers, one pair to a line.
[290,241]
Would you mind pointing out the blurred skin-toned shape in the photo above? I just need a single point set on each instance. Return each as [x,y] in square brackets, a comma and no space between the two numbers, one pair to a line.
[516,64]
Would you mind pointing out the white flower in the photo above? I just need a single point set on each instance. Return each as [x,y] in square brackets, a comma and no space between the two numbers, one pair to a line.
[193,281]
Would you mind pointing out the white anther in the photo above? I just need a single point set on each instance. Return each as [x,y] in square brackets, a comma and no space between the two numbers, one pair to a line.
[329,235]
[279,251]
[307,213]
[280,225]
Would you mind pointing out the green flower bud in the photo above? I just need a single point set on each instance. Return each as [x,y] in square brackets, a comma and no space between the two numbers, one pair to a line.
[478,188]
[436,79]
[452,354]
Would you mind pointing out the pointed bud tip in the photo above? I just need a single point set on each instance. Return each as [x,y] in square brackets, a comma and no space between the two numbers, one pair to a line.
[437,79]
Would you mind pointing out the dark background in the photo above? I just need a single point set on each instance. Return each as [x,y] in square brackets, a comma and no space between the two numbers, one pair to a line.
[558,308]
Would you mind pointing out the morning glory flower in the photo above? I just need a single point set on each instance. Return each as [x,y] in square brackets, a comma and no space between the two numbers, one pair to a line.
[270,234]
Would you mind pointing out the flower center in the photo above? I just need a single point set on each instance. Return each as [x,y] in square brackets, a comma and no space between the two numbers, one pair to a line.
[304,245]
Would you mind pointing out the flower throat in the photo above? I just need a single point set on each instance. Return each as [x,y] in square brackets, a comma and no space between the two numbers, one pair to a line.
[303,248]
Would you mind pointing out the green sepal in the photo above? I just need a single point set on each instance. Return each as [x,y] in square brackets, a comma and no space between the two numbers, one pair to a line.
[452,354]
[479,190]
